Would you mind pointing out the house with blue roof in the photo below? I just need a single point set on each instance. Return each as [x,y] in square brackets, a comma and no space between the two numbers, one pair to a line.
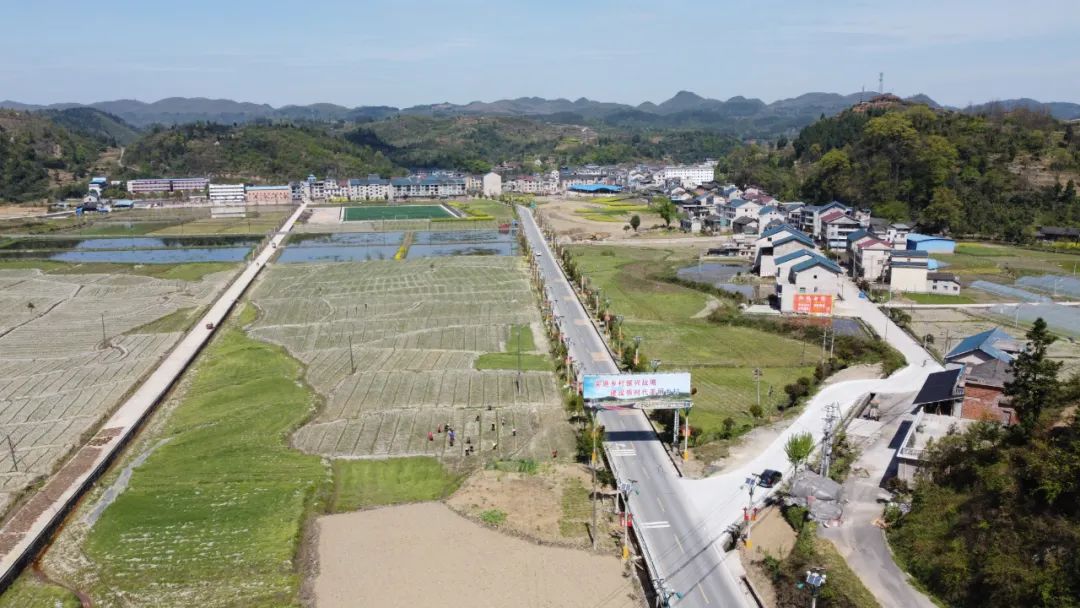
[770,214]
[990,345]
[807,282]
[738,207]
[930,243]
[776,242]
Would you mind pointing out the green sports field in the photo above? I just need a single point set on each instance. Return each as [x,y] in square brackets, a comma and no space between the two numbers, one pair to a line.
[394,212]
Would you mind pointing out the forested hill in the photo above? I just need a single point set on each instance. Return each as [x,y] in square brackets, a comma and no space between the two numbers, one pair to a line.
[39,156]
[476,143]
[254,152]
[996,175]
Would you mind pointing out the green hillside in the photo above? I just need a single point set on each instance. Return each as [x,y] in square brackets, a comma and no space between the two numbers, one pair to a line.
[39,156]
[252,152]
[994,175]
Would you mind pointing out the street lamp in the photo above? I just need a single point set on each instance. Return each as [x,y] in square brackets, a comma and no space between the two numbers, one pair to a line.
[815,578]
[655,363]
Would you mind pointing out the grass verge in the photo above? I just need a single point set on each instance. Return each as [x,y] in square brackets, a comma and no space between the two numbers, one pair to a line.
[938,298]
[529,362]
[360,484]
[177,320]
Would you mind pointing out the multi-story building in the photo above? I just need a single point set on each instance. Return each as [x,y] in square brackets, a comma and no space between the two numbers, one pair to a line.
[268,195]
[908,270]
[227,194]
[807,283]
[429,187]
[175,184]
[371,188]
[690,175]
[491,184]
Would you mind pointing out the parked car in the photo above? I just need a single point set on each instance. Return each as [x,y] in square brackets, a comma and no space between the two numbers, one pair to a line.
[769,478]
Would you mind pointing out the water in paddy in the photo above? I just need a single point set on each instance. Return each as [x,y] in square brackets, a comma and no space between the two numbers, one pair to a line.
[133,250]
[718,275]
[367,246]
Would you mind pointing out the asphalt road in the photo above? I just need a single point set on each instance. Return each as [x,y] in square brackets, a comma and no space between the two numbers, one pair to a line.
[680,548]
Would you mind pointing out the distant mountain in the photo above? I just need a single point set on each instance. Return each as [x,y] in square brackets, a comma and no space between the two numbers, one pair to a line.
[91,122]
[1061,110]
[740,116]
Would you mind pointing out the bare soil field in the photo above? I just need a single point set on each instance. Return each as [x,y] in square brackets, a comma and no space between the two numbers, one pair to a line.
[426,555]
[551,505]
[57,377]
[414,329]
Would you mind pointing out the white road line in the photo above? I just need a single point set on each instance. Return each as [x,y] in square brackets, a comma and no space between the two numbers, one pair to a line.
[652,525]
[661,504]
[679,542]
[703,596]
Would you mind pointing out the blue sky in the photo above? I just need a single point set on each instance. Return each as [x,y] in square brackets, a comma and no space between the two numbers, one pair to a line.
[406,52]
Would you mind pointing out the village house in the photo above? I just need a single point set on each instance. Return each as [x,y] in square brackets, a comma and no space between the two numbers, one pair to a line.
[908,271]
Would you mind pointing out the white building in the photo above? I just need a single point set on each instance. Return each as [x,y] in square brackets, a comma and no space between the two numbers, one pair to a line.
[870,257]
[371,188]
[227,194]
[491,184]
[690,175]
[908,271]
[808,284]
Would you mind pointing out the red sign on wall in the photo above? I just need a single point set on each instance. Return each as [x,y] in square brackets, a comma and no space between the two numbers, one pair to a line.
[813,304]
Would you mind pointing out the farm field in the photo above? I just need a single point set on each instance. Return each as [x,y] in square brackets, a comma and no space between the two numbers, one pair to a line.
[366,560]
[168,221]
[501,212]
[994,262]
[721,359]
[57,377]
[948,326]
[416,328]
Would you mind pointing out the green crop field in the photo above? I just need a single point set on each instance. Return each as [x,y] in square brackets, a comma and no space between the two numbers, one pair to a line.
[360,484]
[394,212]
[213,516]
[993,261]
[938,298]
[721,359]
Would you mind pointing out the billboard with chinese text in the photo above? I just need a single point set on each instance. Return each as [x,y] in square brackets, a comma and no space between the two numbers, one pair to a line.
[628,388]
[813,304]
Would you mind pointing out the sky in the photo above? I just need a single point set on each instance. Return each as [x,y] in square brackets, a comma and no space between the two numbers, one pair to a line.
[409,52]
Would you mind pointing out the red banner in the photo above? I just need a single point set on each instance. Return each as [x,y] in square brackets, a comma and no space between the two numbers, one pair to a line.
[813,304]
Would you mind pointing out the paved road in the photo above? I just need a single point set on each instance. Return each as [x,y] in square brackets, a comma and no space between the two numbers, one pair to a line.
[862,543]
[683,532]
[673,537]
[37,518]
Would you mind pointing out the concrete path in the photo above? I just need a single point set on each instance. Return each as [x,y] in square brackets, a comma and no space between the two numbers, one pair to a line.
[28,528]
[862,543]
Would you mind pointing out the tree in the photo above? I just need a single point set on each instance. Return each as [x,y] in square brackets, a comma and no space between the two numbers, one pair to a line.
[667,211]
[944,212]
[894,211]
[635,221]
[30,307]
[798,448]
[1035,382]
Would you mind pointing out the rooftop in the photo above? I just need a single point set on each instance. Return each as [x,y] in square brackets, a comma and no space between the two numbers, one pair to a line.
[993,342]
[929,427]
[940,386]
[919,238]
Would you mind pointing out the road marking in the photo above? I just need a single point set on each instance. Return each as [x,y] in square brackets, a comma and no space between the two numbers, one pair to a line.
[679,542]
[652,525]
[661,504]
[703,596]
[598,357]
[623,452]
[580,322]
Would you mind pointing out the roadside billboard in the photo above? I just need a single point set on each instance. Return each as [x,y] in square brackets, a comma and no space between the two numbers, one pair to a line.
[813,304]
[639,389]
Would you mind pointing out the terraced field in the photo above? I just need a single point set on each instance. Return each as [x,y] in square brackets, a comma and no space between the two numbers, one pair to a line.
[57,376]
[416,328]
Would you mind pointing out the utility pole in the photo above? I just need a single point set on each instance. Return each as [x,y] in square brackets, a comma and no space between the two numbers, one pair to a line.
[352,362]
[104,340]
[832,414]
[519,359]
[757,384]
[595,533]
[824,337]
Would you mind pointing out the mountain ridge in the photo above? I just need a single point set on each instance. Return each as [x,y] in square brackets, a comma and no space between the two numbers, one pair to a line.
[686,109]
